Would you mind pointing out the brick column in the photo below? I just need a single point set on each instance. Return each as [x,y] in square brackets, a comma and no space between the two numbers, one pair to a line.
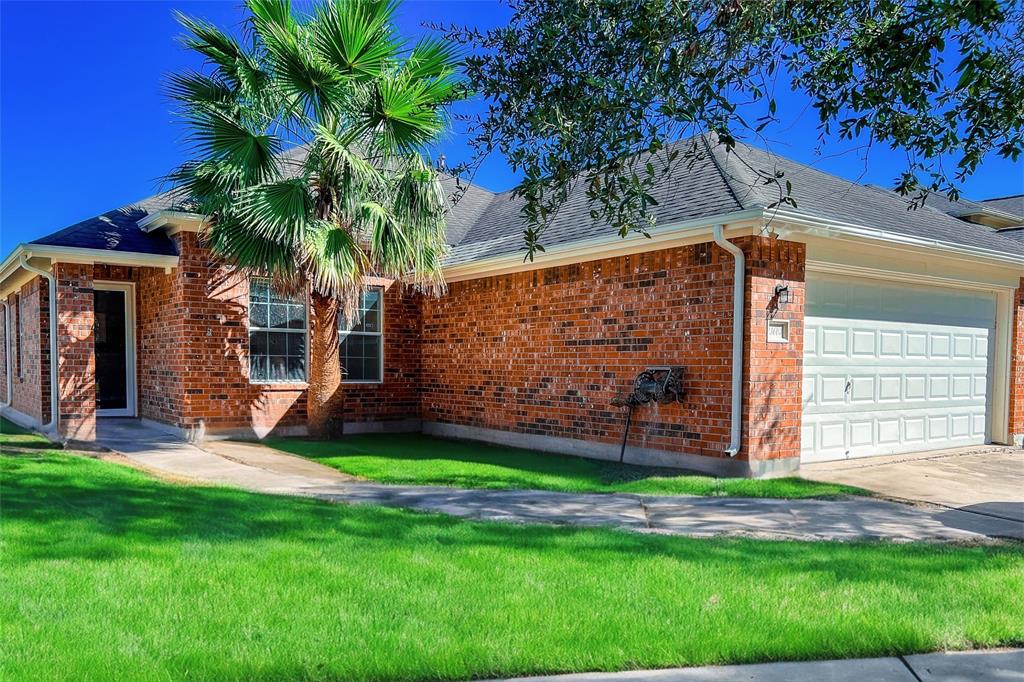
[1017,368]
[773,371]
[5,362]
[76,351]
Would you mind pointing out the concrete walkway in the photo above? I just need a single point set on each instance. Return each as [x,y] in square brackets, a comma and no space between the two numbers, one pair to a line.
[254,467]
[968,666]
[985,479]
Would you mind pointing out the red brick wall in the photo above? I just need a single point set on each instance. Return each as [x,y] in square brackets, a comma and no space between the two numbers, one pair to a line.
[773,372]
[398,396]
[193,353]
[1017,366]
[76,363]
[159,364]
[5,334]
[30,354]
[543,352]
[205,354]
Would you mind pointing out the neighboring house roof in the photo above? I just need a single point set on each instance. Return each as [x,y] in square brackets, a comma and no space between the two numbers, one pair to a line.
[482,224]
[1014,205]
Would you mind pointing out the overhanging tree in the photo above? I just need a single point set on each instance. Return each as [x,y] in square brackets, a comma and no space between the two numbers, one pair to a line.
[578,88]
[307,141]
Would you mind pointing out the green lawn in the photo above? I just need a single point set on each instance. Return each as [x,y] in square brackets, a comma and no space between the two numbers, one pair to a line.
[15,436]
[110,574]
[414,459]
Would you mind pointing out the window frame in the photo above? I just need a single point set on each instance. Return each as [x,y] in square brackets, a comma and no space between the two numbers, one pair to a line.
[304,381]
[380,341]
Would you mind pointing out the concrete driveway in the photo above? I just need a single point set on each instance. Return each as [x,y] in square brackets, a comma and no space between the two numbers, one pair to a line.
[986,480]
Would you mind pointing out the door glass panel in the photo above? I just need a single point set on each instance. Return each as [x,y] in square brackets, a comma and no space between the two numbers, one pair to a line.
[111,351]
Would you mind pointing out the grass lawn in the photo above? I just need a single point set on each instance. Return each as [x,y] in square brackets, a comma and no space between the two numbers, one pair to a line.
[414,459]
[13,435]
[108,573]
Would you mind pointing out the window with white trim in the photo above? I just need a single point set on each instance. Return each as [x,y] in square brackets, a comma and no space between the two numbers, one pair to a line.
[362,339]
[277,334]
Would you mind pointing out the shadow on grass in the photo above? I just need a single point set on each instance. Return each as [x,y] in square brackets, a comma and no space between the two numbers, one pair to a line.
[15,436]
[416,459]
[80,508]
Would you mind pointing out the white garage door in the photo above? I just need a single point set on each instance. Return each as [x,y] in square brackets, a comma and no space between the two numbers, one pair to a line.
[893,368]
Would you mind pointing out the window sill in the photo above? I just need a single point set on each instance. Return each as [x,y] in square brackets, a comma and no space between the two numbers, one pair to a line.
[280,385]
[363,383]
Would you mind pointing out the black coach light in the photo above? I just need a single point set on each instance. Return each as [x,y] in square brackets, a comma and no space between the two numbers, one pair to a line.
[782,294]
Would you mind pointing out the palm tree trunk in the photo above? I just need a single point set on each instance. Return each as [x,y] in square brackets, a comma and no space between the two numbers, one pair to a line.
[324,400]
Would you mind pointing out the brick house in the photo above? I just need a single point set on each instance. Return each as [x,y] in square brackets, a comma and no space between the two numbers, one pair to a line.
[863,328]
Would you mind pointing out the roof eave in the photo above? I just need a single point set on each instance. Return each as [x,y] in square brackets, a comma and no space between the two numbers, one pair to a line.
[834,228]
[605,246]
[68,254]
[176,220]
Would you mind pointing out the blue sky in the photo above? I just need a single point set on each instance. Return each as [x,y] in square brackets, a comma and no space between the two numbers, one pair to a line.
[85,127]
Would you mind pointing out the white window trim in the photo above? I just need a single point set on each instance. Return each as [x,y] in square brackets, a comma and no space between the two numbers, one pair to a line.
[380,339]
[131,403]
[248,341]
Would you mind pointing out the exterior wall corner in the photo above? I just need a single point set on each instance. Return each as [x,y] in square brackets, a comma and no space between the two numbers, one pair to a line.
[76,356]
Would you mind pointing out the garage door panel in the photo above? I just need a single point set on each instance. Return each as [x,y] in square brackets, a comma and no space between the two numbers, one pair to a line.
[877,384]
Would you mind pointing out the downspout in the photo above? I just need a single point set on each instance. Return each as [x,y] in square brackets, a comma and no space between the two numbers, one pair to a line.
[9,396]
[54,385]
[736,430]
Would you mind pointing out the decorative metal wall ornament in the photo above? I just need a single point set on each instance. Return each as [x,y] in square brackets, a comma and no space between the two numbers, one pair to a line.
[661,385]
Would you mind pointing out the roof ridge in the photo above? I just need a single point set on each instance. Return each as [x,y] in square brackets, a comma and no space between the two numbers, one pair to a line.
[731,173]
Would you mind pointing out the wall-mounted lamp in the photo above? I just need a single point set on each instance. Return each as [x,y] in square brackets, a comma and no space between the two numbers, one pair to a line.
[782,295]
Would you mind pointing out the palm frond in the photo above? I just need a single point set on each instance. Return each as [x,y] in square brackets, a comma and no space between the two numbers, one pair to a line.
[191,88]
[356,37]
[432,57]
[401,115]
[220,49]
[231,240]
[219,137]
[333,260]
[278,210]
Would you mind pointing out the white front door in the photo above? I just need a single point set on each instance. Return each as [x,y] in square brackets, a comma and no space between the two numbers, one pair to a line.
[892,368]
[114,348]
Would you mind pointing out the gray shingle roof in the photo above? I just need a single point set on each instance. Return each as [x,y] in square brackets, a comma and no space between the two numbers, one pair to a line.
[118,230]
[692,192]
[1013,205]
[483,224]
[828,196]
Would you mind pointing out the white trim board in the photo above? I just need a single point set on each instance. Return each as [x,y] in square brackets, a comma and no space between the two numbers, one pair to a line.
[131,387]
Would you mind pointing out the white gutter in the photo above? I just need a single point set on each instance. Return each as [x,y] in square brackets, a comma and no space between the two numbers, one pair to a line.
[739,277]
[9,396]
[835,228]
[606,245]
[54,384]
[69,254]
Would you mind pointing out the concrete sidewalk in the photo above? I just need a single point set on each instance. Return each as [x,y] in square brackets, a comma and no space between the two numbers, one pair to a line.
[261,469]
[968,666]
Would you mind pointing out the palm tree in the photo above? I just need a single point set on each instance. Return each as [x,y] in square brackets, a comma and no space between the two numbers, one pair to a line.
[308,141]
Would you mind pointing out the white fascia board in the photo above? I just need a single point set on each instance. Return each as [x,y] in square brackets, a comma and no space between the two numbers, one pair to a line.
[180,220]
[66,254]
[834,228]
[610,246]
